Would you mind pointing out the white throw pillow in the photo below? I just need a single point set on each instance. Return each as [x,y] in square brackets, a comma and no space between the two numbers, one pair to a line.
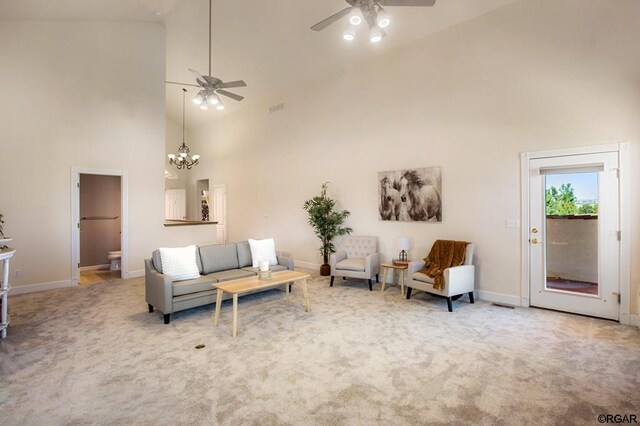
[179,263]
[263,250]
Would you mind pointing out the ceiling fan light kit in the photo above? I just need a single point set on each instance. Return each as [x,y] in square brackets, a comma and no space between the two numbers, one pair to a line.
[383,18]
[356,16]
[370,11]
[375,34]
[349,33]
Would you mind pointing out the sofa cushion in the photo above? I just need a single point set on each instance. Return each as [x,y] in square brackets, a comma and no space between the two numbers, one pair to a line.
[420,276]
[157,260]
[244,254]
[263,250]
[218,257]
[275,268]
[231,274]
[351,264]
[179,262]
[203,283]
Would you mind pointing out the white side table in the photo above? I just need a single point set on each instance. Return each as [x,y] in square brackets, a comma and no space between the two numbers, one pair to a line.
[5,255]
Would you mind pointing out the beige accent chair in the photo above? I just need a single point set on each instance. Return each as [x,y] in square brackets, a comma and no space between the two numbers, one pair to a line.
[356,257]
[458,280]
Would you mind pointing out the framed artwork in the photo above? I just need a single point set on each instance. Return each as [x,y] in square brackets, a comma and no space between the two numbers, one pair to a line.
[410,195]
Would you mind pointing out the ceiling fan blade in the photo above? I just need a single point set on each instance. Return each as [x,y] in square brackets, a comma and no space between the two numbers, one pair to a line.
[408,2]
[331,19]
[230,84]
[199,78]
[230,95]
[181,84]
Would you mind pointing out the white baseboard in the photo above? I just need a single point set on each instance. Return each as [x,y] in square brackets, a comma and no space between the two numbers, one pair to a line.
[134,274]
[94,267]
[630,319]
[32,288]
[490,296]
[306,265]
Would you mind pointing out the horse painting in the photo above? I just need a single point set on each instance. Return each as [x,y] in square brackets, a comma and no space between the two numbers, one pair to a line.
[411,195]
[389,200]
[423,201]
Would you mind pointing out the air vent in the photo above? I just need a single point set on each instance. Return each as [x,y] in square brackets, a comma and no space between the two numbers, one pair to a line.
[276,108]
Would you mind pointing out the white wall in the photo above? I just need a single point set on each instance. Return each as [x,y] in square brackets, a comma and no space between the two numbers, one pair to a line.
[531,76]
[84,94]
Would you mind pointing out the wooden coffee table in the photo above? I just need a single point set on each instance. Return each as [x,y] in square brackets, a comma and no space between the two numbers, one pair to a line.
[246,285]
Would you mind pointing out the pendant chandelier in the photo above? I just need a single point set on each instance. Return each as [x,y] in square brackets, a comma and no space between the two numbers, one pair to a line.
[182,159]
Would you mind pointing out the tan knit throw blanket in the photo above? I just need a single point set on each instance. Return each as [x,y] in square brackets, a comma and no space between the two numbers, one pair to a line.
[444,254]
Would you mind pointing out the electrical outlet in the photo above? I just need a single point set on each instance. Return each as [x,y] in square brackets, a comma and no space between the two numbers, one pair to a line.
[17,273]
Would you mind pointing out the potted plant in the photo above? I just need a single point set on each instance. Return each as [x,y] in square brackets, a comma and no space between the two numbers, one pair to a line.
[326,223]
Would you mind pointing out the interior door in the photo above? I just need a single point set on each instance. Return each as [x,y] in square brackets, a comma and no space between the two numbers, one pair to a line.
[219,210]
[574,253]
[176,204]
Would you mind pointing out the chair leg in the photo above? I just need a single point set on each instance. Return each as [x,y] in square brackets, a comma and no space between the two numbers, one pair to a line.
[167,318]
[332,277]
[471,297]
[409,292]
[150,307]
[370,285]
[450,304]
[377,278]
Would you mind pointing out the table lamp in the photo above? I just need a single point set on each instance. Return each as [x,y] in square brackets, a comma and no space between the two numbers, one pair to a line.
[403,244]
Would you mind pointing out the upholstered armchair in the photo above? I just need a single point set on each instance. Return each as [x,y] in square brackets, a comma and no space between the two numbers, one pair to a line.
[458,280]
[356,257]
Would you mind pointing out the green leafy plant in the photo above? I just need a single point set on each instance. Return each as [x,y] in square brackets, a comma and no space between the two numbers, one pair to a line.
[563,202]
[325,221]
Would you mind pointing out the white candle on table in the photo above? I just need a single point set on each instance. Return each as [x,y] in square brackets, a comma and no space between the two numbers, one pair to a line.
[264,265]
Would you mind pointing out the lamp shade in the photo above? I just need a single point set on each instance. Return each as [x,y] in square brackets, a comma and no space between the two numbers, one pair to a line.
[404,243]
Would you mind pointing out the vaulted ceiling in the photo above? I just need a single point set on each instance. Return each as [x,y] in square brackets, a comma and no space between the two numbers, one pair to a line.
[266,43]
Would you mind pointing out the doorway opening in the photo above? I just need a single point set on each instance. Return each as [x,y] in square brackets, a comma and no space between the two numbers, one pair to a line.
[100,251]
[99,225]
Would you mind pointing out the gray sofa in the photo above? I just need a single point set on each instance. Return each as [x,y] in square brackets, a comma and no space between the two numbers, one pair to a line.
[217,262]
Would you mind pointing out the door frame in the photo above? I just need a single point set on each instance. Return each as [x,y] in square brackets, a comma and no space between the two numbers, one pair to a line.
[75,218]
[622,149]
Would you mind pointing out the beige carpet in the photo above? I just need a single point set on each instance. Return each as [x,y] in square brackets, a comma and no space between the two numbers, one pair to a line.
[94,355]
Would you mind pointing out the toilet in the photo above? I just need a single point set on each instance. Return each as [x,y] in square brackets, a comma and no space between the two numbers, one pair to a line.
[114,257]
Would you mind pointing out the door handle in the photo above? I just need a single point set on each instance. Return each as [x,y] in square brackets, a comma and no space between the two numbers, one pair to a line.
[535,241]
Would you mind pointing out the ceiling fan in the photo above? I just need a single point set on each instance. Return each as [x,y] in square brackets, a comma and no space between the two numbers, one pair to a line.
[211,86]
[371,12]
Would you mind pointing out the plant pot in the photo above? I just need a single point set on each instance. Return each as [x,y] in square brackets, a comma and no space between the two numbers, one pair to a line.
[325,270]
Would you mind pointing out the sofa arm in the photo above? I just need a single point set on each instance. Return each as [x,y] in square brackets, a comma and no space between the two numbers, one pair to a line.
[372,264]
[459,279]
[335,258]
[158,288]
[285,259]
[415,266]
